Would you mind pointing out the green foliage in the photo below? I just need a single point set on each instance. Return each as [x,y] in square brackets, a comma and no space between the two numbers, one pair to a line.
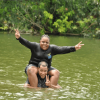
[62,24]
[47,15]
[86,24]
[51,16]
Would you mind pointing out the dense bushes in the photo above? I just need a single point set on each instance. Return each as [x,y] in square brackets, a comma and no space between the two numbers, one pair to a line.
[51,16]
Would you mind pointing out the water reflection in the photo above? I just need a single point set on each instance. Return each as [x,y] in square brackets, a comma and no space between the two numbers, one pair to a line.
[79,71]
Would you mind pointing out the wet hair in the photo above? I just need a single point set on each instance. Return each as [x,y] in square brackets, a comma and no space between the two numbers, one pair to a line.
[45,36]
[43,63]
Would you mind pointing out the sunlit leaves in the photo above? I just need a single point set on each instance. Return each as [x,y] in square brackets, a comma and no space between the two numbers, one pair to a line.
[63,24]
[86,24]
[48,15]
[51,15]
[74,27]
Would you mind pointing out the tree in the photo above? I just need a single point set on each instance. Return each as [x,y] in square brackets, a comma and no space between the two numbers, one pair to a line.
[51,16]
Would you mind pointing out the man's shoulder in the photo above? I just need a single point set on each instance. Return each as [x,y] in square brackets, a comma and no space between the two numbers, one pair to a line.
[35,44]
[52,45]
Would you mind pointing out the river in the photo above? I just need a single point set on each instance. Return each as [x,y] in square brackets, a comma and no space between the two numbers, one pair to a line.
[79,71]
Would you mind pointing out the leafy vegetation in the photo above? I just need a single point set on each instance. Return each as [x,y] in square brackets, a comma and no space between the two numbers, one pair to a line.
[51,16]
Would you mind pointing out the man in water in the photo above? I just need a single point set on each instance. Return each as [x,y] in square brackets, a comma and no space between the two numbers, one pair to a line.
[44,51]
[43,78]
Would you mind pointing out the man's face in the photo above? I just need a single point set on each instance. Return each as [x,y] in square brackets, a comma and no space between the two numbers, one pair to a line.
[44,43]
[43,71]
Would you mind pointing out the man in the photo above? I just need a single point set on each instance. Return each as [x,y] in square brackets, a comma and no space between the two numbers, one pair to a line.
[43,51]
[43,78]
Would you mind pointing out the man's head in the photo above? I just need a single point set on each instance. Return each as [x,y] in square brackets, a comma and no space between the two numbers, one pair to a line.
[44,42]
[43,69]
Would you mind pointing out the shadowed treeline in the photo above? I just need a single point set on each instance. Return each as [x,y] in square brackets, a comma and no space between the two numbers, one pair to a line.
[59,17]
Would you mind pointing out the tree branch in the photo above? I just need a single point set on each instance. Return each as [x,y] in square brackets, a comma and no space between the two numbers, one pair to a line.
[30,20]
[87,28]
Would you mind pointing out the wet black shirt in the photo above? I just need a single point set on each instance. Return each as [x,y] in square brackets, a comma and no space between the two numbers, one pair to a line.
[38,54]
[41,82]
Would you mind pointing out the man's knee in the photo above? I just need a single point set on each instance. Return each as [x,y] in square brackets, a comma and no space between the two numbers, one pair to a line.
[54,73]
[32,70]
[57,73]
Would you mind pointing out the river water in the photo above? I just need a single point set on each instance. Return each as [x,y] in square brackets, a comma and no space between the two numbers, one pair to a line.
[79,71]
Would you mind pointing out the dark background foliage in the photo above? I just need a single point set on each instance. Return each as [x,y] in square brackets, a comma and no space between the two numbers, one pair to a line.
[61,17]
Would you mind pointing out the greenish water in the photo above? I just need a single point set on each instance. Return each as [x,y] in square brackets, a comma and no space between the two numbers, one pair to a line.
[79,71]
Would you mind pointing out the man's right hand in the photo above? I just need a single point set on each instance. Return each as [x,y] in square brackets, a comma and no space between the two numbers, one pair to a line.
[48,83]
[17,35]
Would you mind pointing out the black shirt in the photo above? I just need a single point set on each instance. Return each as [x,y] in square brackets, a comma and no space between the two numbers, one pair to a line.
[38,54]
[41,82]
